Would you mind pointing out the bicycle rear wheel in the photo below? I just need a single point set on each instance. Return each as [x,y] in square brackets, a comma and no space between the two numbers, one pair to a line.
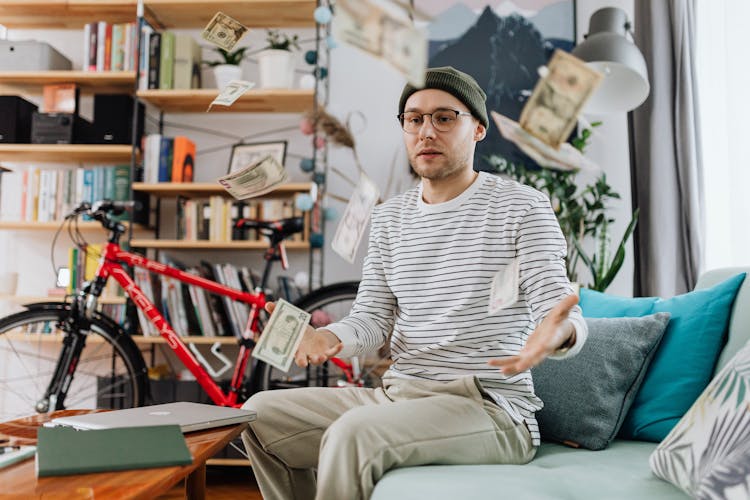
[326,305]
[110,372]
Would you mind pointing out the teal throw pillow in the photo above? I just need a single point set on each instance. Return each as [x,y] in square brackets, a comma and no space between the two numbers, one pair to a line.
[685,359]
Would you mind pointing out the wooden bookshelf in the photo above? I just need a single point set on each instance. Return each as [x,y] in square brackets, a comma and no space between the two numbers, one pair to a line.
[104,81]
[253,101]
[67,153]
[47,226]
[204,189]
[251,13]
[228,461]
[64,14]
[212,245]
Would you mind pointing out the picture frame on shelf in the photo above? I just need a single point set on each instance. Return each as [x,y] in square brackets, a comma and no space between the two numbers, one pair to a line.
[244,154]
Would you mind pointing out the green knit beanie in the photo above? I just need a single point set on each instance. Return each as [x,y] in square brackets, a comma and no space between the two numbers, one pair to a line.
[457,83]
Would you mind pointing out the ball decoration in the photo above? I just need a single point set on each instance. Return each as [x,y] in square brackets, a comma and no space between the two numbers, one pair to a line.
[330,213]
[322,72]
[323,14]
[306,126]
[316,240]
[301,279]
[331,42]
[320,142]
[311,56]
[307,165]
[319,178]
[303,202]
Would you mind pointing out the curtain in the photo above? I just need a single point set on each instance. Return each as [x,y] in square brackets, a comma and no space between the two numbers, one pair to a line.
[666,155]
[723,82]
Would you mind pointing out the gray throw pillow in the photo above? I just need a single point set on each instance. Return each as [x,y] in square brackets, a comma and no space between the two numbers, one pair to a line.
[586,397]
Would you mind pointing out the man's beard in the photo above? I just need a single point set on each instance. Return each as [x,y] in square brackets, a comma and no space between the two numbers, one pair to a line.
[450,165]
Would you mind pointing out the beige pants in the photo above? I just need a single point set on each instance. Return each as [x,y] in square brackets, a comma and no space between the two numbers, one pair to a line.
[352,436]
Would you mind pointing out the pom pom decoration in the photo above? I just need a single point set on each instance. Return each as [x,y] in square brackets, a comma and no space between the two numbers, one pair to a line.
[306,126]
[322,72]
[316,240]
[307,164]
[330,213]
[319,178]
[303,202]
[320,142]
[311,57]
[323,14]
[331,42]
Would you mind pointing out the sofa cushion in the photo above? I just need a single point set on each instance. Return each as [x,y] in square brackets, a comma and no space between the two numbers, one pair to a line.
[707,454]
[586,397]
[619,472]
[685,359]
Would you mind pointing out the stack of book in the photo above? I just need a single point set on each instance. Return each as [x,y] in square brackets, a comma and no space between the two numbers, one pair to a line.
[109,47]
[168,159]
[168,61]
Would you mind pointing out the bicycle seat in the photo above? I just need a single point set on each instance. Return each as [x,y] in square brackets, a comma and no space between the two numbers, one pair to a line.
[276,230]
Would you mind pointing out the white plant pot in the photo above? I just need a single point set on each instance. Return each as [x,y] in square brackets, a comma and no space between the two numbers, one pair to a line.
[225,73]
[276,69]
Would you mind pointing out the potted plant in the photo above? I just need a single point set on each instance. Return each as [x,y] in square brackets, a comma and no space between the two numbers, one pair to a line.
[228,68]
[276,62]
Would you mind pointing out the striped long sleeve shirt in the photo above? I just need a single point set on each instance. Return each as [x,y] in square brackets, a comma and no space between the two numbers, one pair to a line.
[427,279]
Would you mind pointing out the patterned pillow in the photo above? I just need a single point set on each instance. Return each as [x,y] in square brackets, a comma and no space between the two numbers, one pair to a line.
[707,454]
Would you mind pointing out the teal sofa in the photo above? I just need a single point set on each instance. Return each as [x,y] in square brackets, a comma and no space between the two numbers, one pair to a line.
[621,471]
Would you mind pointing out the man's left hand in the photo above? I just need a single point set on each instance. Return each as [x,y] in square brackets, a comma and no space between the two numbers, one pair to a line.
[551,334]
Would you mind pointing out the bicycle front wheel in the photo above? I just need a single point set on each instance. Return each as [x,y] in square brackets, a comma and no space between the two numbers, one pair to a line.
[110,372]
[326,305]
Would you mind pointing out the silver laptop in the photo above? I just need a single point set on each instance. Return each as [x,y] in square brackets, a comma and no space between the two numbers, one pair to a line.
[189,416]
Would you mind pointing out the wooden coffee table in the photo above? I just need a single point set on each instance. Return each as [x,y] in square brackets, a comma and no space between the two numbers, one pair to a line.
[20,481]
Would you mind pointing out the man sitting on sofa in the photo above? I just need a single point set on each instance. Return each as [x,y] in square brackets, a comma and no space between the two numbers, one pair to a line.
[459,390]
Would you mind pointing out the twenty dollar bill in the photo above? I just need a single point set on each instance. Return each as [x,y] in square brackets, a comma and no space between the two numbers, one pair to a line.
[223,31]
[282,335]
[356,217]
[260,177]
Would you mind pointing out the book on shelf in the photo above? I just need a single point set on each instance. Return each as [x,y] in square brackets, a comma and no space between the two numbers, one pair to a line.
[168,159]
[60,98]
[154,59]
[169,60]
[166,62]
[187,63]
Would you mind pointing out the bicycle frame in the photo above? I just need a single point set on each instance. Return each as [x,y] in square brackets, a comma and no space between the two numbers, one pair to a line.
[110,265]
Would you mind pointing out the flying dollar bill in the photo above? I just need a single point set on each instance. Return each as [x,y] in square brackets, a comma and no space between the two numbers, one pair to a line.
[552,111]
[365,26]
[260,177]
[565,157]
[355,219]
[230,93]
[223,31]
[282,335]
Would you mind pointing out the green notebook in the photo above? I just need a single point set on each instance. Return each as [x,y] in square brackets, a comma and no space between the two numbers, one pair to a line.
[63,450]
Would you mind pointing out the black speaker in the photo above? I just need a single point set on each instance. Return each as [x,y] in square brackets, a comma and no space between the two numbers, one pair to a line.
[57,128]
[113,119]
[15,119]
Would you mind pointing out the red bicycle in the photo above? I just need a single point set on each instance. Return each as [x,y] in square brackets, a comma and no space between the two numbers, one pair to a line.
[69,355]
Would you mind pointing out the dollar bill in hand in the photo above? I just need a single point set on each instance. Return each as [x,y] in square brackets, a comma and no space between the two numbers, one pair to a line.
[504,291]
[223,31]
[552,111]
[282,335]
[355,219]
[260,177]
[230,93]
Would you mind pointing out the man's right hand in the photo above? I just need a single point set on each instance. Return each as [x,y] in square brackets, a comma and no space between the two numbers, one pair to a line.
[316,347]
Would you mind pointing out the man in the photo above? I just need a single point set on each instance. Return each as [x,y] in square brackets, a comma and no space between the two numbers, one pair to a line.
[459,390]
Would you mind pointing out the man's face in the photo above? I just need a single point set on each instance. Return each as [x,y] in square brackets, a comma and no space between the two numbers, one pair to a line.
[434,154]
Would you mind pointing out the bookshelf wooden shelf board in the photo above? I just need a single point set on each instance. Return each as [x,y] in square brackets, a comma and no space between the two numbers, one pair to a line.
[212,245]
[46,226]
[64,14]
[88,80]
[67,153]
[138,339]
[203,189]
[253,101]
[251,13]
[30,299]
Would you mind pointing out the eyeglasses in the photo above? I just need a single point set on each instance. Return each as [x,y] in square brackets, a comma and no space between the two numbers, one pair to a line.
[442,119]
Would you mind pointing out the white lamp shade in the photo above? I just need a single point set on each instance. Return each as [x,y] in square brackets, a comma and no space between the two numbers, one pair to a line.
[625,85]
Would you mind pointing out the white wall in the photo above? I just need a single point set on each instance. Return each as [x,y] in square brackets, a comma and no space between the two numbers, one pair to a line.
[359,83]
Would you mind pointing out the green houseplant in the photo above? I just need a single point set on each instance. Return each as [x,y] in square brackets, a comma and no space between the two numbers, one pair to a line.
[581,212]
[276,61]
[227,68]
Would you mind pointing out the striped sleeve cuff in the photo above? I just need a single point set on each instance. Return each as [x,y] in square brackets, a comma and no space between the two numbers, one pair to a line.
[582,333]
[347,336]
